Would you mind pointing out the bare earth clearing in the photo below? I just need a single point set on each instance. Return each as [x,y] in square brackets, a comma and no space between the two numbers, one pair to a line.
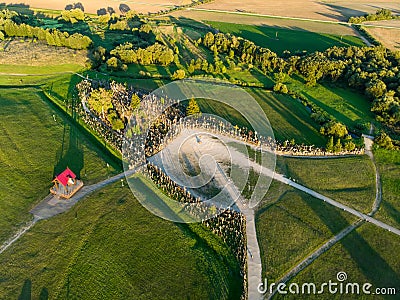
[29,53]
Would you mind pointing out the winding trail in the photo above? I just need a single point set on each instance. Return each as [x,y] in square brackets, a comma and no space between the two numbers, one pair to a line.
[254,263]
[52,206]
[368,141]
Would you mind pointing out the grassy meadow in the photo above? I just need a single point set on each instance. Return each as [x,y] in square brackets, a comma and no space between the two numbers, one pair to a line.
[37,142]
[367,255]
[280,39]
[349,180]
[109,247]
[345,105]
[288,117]
[388,163]
[290,225]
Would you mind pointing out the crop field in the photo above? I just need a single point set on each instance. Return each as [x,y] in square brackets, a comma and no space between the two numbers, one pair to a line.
[257,20]
[390,38]
[367,255]
[350,180]
[336,10]
[107,246]
[91,6]
[280,39]
[290,225]
[37,142]
[388,165]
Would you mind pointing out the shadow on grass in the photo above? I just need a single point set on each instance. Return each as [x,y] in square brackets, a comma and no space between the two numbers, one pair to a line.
[26,291]
[342,13]
[292,38]
[369,262]
[391,211]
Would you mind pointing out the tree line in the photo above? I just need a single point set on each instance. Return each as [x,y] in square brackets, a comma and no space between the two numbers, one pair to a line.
[154,54]
[380,14]
[53,37]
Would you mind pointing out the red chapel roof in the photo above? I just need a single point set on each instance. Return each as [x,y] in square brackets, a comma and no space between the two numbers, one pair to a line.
[65,176]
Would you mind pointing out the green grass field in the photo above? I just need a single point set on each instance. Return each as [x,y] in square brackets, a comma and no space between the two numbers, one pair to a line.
[40,70]
[367,255]
[347,106]
[350,180]
[280,39]
[388,163]
[34,148]
[288,117]
[109,247]
[290,225]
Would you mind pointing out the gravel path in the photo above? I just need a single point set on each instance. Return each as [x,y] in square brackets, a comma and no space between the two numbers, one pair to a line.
[368,141]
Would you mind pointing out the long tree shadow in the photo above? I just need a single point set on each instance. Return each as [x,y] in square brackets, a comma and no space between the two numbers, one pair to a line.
[44,294]
[391,211]
[341,13]
[71,152]
[26,291]
[370,262]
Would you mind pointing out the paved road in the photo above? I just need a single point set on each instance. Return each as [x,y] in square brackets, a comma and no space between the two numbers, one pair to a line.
[50,207]
[17,235]
[168,160]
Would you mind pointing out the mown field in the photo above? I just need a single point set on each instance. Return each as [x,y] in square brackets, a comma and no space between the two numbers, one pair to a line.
[350,180]
[110,247]
[388,163]
[36,143]
[367,255]
[280,39]
[290,225]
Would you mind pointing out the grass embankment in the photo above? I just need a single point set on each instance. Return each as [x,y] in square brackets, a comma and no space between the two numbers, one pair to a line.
[291,224]
[35,147]
[109,247]
[280,39]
